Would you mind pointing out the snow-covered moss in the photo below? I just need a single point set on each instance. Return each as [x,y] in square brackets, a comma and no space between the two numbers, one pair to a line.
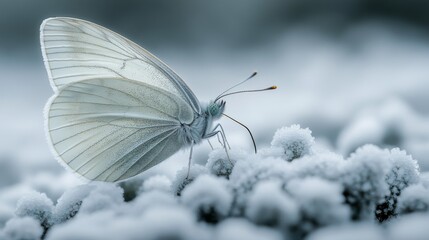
[182,179]
[219,164]
[403,172]
[293,142]
[270,205]
[25,228]
[157,183]
[36,205]
[321,203]
[69,203]
[208,197]
[103,196]
[413,199]
[149,200]
[364,180]
[248,173]
[291,190]
[326,165]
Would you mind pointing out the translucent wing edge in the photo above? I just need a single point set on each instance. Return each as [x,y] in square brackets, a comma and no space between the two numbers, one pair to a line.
[45,57]
[51,145]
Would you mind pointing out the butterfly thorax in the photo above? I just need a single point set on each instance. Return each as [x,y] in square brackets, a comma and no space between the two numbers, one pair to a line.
[202,124]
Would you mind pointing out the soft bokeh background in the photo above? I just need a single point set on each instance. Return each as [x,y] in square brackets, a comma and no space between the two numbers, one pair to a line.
[353,71]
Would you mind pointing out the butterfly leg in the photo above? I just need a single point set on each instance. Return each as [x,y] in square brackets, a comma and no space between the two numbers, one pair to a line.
[190,158]
[224,144]
[213,133]
[224,135]
[210,144]
[220,142]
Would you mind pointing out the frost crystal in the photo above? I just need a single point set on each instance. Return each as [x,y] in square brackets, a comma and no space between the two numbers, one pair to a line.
[293,141]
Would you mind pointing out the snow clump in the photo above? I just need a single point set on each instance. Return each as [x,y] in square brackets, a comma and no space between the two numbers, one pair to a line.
[292,142]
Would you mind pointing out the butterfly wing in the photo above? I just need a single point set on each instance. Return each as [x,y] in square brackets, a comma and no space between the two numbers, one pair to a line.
[112,129]
[75,50]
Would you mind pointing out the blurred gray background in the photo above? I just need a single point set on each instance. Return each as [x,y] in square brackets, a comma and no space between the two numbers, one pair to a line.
[353,71]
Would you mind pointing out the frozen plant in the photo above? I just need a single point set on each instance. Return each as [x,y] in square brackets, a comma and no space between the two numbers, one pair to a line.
[404,171]
[364,180]
[413,199]
[321,203]
[247,173]
[326,165]
[131,187]
[150,199]
[103,196]
[36,205]
[293,142]
[156,223]
[182,179]
[270,205]
[219,164]
[25,228]
[156,183]
[69,203]
[208,197]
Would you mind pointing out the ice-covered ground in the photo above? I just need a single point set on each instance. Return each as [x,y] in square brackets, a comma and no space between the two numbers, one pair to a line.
[368,87]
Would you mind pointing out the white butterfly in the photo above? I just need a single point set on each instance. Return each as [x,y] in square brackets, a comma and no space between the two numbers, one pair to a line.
[117,109]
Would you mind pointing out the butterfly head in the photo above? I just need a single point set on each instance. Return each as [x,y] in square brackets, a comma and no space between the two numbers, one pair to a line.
[215,108]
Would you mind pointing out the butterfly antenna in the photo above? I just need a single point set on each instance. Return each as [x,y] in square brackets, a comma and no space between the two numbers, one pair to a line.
[251,135]
[246,91]
[245,80]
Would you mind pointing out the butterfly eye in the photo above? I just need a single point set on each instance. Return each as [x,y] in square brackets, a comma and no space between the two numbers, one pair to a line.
[214,110]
